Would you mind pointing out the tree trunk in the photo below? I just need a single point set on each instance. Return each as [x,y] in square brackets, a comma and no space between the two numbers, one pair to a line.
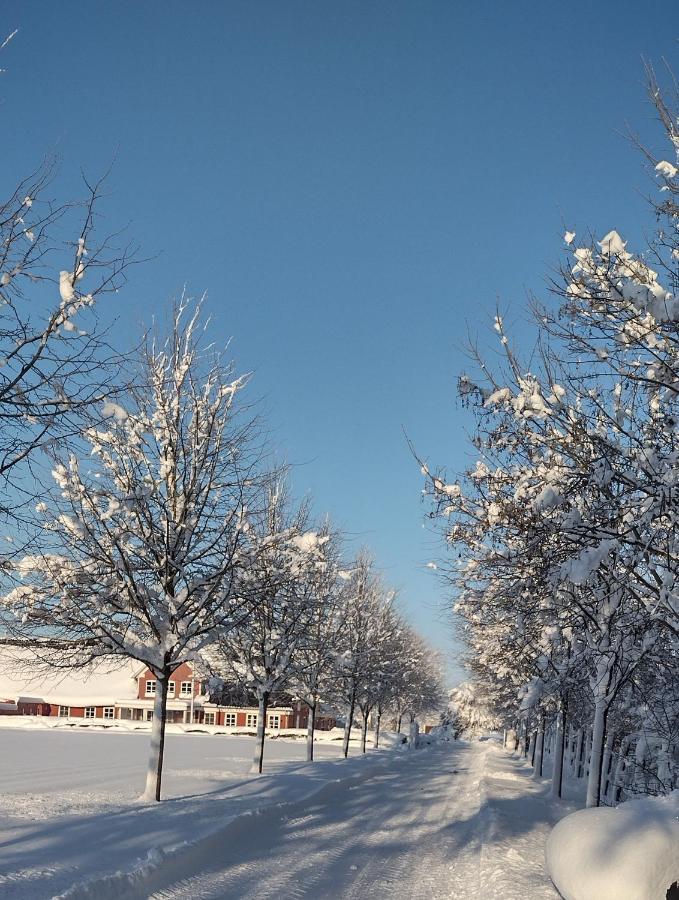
[398,723]
[539,748]
[377,728]
[533,744]
[606,765]
[349,723]
[572,736]
[579,753]
[413,734]
[154,772]
[620,766]
[596,756]
[559,747]
[364,731]
[310,728]
[258,761]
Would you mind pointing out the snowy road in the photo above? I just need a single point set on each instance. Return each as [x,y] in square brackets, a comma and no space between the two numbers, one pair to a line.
[454,821]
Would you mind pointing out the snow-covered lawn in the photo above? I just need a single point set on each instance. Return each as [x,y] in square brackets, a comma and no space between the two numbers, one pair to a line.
[69,809]
[453,820]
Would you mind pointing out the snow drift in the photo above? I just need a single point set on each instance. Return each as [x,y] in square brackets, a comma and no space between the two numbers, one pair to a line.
[603,853]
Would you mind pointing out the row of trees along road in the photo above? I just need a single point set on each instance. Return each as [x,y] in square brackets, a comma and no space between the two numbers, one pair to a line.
[146,518]
[565,538]
[175,542]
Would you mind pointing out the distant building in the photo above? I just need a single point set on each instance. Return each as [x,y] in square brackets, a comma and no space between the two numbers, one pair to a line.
[129,693]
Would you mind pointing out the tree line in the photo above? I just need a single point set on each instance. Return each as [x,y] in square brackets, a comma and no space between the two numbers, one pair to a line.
[565,553]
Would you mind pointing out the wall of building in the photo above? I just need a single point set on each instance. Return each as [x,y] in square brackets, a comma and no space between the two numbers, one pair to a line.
[33,708]
[78,712]
[184,672]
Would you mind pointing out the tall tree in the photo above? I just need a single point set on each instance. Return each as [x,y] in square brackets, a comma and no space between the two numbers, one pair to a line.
[143,545]
[313,660]
[276,589]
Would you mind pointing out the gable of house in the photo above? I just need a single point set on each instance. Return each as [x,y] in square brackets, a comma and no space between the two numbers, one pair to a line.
[183,683]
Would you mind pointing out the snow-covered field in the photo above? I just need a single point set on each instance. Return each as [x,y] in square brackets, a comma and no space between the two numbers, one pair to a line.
[68,807]
[452,820]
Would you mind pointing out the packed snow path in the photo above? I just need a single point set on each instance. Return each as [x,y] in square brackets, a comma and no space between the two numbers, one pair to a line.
[454,821]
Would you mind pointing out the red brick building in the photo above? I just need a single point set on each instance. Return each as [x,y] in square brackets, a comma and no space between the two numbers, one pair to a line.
[129,693]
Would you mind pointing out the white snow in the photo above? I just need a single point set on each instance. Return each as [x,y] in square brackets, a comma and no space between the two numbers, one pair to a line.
[667,169]
[453,820]
[629,852]
[612,244]
[66,286]
[113,410]
[456,820]
[69,807]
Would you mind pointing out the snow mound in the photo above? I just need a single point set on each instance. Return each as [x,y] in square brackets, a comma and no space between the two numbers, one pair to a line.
[631,851]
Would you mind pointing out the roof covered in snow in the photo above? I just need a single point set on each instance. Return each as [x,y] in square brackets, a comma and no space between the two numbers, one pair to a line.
[109,681]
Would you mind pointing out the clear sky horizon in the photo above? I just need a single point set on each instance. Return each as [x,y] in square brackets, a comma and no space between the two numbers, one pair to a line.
[355,186]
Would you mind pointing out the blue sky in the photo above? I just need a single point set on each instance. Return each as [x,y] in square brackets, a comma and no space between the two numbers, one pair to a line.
[355,185]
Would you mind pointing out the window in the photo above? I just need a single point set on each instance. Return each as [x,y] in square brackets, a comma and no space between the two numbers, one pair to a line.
[274,721]
[209,718]
[109,712]
[149,715]
[230,719]
[65,711]
[150,689]
[251,720]
[186,688]
[170,689]
[89,712]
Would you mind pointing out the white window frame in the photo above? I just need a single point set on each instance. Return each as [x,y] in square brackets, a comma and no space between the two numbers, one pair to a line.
[170,688]
[251,720]
[151,688]
[90,712]
[230,719]
[209,718]
[109,712]
[274,720]
[66,714]
[186,689]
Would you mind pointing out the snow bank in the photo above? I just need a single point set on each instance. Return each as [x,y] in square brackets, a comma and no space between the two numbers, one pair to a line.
[631,851]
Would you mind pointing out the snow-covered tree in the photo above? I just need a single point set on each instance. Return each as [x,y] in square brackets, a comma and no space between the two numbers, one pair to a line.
[311,677]
[144,541]
[362,598]
[55,363]
[276,592]
[383,662]
[565,529]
